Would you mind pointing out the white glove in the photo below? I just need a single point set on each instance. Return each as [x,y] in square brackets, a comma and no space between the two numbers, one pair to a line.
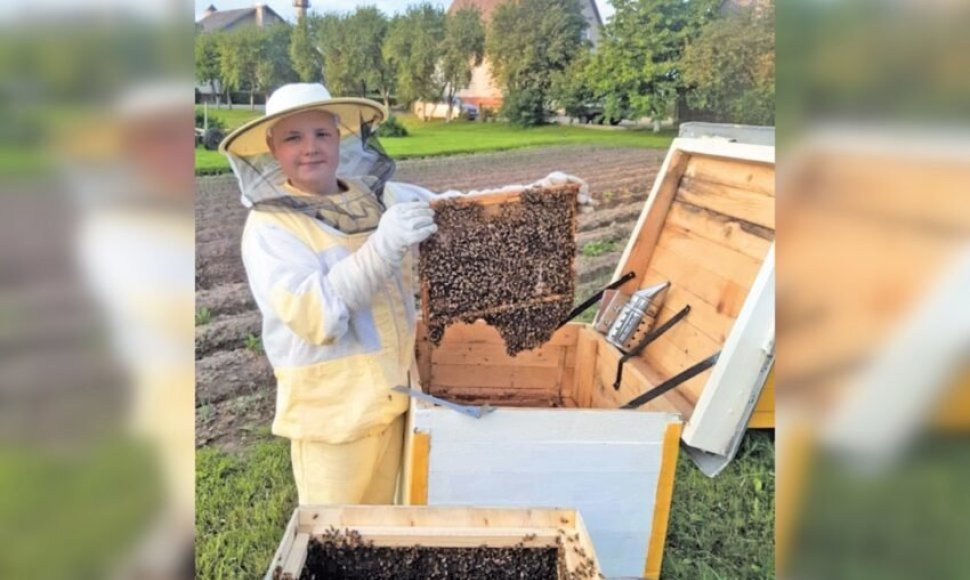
[401,226]
[559,178]
[359,276]
[553,179]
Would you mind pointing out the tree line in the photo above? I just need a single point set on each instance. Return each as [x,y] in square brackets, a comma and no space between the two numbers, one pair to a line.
[654,58]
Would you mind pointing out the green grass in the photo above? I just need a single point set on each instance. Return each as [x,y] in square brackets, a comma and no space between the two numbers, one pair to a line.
[242,505]
[719,528]
[77,513]
[724,527]
[600,247]
[437,138]
[203,316]
[236,117]
[254,342]
[862,519]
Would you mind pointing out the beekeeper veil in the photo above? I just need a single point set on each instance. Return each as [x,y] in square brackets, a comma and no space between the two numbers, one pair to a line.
[261,180]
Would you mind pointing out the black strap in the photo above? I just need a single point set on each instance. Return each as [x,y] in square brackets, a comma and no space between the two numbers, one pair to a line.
[647,339]
[673,382]
[592,299]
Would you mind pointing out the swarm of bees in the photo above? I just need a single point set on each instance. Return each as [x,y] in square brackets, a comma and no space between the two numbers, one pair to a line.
[345,555]
[511,263]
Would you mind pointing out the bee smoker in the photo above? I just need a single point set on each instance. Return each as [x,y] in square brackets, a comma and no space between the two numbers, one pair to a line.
[639,313]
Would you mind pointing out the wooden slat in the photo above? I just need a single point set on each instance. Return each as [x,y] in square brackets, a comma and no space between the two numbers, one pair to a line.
[478,354]
[665,493]
[726,263]
[638,377]
[286,544]
[725,296]
[434,516]
[450,537]
[520,377]
[422,348]
[756,177]
[585,368]
[636,257]
[567,382]
[703,316]
[738,203]
[420,450]
[569,360]
[296,557]
[499,396]
[763,416]
[585,542]
[741,236]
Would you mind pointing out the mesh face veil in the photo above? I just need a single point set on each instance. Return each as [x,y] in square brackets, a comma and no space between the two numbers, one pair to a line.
[362,160]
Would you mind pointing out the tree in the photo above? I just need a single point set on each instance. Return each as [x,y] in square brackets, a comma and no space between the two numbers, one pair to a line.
[255,60]
[730,68]
[334,43]
[413,51]
[305,57]
[238,56]
[571,89]
[528,42]
[462,50]
[273,63]
[637,65]
[207,59]
[366,29]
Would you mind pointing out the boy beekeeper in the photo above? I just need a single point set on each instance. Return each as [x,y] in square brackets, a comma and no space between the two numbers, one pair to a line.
[326,252]
[327,260]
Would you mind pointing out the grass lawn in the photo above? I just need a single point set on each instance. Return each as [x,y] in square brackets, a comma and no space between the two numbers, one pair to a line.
[437,138]
[242,504]
[720,528]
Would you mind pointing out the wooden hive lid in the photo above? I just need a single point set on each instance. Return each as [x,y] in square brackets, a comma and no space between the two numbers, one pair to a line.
[708,228]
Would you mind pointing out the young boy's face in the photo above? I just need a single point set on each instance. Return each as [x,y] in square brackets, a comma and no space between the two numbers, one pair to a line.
[307,147]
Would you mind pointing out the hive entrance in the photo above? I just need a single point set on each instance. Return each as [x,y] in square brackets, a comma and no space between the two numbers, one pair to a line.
[508,259]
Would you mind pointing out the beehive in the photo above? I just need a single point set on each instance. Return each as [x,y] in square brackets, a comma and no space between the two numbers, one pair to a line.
[440,527]
[708,228]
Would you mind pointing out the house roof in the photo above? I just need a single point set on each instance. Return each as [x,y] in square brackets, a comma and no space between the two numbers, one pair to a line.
[222,19]
[486,7]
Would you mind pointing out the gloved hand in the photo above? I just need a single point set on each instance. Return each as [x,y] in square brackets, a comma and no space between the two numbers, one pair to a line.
[559,178]
[553,179]
[401,226]
[356,278]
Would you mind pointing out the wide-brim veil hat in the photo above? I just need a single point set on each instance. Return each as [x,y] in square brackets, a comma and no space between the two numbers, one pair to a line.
[362,159]
[295,98]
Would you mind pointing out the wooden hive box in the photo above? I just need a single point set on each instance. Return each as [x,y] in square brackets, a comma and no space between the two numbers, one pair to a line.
[708,228]
[445,527]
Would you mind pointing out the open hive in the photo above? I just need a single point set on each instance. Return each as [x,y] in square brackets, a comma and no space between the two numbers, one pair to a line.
[507,258]
[707,229]
[424,543]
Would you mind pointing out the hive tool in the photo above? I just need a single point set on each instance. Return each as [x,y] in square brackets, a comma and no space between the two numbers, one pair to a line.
[470,410]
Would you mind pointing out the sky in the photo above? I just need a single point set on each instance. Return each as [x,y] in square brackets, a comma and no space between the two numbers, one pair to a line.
[285,7]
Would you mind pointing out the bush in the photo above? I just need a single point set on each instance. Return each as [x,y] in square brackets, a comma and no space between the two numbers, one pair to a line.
[392,128]
[525,108]
[214,122]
